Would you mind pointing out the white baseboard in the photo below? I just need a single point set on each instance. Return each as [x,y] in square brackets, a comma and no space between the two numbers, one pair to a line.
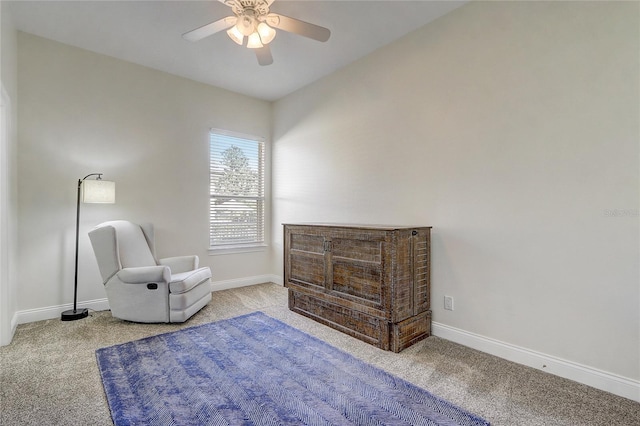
[243,282]
[51,312]
[14,325]
[608,382]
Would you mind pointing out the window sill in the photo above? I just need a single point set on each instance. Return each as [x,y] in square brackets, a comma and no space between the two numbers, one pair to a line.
[215,251]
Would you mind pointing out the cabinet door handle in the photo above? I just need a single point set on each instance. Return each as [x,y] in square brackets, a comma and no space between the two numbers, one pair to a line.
[326,245]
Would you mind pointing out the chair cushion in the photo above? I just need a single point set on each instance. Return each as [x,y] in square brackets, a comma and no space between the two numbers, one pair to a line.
[185,281]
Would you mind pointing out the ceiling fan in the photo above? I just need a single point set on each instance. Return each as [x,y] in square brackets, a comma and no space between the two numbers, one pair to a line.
[253,20]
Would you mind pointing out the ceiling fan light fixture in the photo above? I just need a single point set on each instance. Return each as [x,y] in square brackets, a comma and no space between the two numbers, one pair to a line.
[236,35]
[253,20]
[246,23]
[254,41]
[267,34]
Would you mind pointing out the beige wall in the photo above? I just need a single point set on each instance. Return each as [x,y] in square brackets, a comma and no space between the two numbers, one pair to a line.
[8,178]
[81,113]
[511,128]
[8,52]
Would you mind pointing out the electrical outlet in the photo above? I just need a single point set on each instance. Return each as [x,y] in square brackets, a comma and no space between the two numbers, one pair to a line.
[448,303]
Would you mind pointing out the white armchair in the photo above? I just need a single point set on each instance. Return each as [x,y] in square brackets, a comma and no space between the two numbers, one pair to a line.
[141,288]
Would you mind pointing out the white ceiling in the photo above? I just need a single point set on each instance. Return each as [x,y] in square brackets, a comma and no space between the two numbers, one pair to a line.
[149,33]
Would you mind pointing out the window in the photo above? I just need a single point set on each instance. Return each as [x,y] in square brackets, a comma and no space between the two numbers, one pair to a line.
[236,187]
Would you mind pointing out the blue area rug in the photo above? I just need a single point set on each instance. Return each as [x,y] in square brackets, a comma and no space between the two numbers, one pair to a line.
[256,370]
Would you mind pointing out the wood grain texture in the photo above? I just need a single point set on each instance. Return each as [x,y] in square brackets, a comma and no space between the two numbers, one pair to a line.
[371,282]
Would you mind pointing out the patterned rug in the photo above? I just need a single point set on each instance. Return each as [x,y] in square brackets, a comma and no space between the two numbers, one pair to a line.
[256,370]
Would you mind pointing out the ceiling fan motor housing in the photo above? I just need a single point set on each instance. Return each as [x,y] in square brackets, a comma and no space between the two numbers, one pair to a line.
[246,22]
[258,8]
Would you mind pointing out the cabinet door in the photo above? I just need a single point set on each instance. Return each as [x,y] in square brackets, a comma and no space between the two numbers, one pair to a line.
[357,267]
[305,264]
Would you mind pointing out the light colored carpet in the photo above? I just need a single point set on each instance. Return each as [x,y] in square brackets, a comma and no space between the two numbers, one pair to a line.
[49,375]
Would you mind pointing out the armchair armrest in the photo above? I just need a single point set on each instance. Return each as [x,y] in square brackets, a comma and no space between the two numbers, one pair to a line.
[180,263]
[145,274]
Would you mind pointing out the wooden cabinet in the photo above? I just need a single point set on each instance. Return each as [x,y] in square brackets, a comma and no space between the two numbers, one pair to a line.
[371,282]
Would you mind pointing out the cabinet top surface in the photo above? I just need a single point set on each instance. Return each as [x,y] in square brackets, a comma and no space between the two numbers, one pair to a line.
[357,226]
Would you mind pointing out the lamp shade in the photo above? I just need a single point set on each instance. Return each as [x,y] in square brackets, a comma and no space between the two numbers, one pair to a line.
[236,35]
[98,191]
[267,34]
[254,41]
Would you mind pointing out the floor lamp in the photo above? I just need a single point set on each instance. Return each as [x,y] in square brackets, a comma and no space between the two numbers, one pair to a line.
[93,191]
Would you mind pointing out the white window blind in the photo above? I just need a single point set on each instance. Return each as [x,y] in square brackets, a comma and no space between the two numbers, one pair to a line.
[236,206]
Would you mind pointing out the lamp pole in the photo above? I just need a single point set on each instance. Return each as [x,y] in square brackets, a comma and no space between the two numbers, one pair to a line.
[76,313]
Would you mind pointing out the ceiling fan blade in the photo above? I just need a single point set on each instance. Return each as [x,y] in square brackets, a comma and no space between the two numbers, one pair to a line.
[264,55]
[299,27]
[210,29]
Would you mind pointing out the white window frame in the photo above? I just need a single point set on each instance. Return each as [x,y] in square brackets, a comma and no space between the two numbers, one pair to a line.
[258,244]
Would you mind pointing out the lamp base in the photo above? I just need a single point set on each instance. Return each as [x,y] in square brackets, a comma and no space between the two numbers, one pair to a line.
[74,314]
